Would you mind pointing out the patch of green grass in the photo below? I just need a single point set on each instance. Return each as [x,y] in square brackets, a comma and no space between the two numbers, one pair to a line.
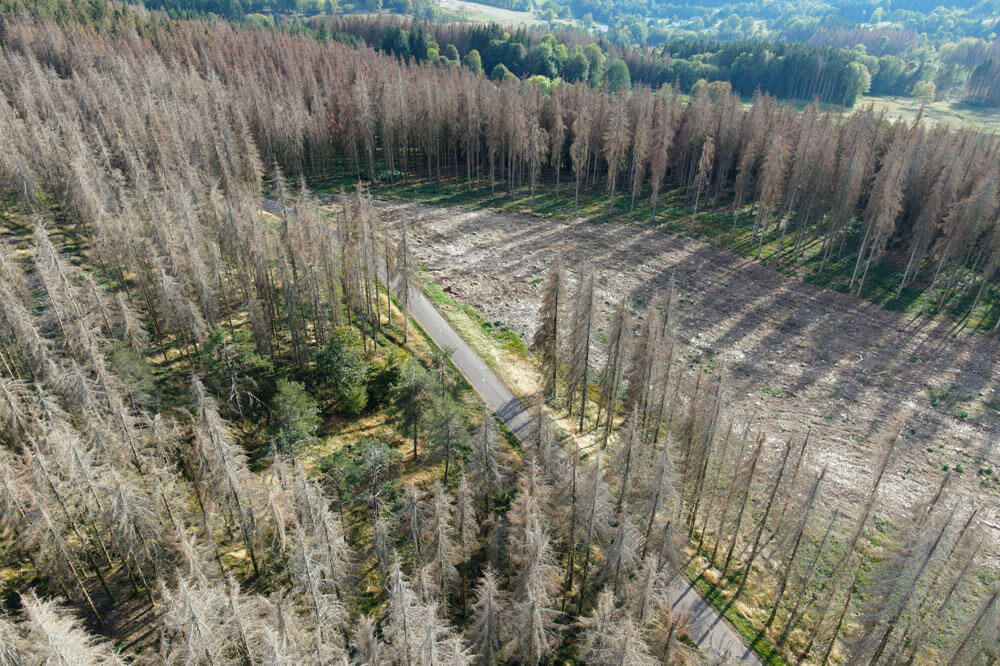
[953,114]
[481,13]
[508,339]
[948,398]
[435,294]
[941,395]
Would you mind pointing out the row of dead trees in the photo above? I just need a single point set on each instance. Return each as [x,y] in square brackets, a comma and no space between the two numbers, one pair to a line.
[859,192]
[759,518]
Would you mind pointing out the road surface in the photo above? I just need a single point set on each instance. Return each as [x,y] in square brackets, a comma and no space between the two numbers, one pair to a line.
[711,633]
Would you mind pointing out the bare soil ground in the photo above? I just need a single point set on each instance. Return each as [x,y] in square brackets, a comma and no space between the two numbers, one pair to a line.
[801,357]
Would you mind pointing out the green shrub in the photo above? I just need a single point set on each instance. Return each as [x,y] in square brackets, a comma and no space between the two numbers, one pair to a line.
[342,365]
[138,382]
[383,378]
[363,471]
[294,417]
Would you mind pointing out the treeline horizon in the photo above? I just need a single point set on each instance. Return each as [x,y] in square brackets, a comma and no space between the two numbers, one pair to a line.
[783,69]
[836,66]
[832,59]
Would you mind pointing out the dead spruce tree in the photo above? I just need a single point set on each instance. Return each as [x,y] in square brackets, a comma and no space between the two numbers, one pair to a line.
[486,631]
[414,633]
[761,526]
[660,495]
[611,637]
[705,163]
[846,561]
[194,621]
[536,587]
[579,150]
[487,467]
[546,340]
[442,553]
[55,636]
[612,376]
[596,515]
[937,596]
[316,595]
[616,144]
[745,484]
[406,277]
[787,566]
[577,375]
[220,464]
[466,530]
[916,552]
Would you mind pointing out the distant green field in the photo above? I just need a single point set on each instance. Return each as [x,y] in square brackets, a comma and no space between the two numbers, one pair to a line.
[474,11]
[956,115]
[478,12]
[953,114]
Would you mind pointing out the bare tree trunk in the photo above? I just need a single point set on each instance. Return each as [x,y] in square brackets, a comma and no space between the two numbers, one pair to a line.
[793,616]
[743,504]
[760,530]
[790,564]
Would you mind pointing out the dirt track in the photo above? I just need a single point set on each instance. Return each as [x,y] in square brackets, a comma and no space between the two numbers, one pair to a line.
[800,355]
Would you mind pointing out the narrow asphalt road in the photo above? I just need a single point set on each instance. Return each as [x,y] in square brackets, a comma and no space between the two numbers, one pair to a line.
[711,633]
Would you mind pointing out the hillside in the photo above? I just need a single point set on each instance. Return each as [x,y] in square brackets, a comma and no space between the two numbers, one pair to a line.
[249,414]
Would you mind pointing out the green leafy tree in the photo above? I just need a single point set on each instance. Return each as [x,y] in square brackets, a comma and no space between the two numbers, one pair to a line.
[617,76]
[450,52]
[577,68]
[136,377]
[342,365]
[383,378]
[451,433]
[541,61]
[473,61]
[294,417]
[420,44]
[859,81]
[924,90]
[595,56]
[395,41]
[364,471]
[500,72]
